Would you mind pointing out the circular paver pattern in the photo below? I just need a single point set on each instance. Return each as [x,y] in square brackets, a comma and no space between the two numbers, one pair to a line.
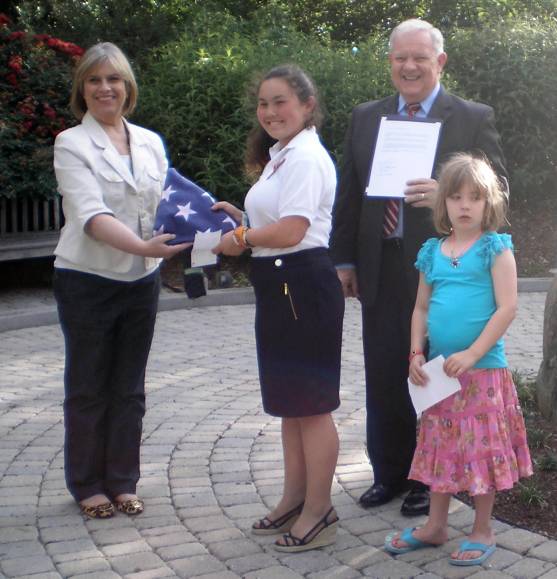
[211,465]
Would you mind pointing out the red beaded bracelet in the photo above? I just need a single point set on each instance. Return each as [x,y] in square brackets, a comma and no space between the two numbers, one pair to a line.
[413,354]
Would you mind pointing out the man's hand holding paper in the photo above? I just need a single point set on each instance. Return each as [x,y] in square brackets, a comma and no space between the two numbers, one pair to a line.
[421,192]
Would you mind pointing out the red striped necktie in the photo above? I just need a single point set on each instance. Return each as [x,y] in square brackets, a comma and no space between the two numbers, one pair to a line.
[392,206]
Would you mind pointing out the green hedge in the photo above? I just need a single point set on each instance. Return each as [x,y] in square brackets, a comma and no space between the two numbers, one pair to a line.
[511,66]
[193,91]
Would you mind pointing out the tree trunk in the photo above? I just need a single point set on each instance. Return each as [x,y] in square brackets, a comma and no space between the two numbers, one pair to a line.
[546,384]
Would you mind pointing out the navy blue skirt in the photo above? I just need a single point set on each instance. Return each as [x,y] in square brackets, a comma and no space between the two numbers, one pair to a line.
[298,330]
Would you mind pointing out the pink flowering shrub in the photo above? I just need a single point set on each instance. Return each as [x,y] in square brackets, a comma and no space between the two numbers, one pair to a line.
[35,85]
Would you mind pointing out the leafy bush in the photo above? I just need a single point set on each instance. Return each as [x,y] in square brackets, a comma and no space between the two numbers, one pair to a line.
[509,66]
[137,25]
[193,92]
[134,25]
[35,81]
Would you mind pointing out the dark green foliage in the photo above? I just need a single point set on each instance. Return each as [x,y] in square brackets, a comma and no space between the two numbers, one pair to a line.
[35,78]
[526,391]
[548,462]
[134,25]
[345,21]
[510,66]
[193,86]
[194,92]
[138,25]
[530,494]
[538,438]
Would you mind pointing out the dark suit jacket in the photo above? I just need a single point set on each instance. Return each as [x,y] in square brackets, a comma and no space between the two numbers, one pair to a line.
[357,221]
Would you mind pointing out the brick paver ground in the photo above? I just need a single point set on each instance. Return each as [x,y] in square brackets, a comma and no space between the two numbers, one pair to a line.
[211,465]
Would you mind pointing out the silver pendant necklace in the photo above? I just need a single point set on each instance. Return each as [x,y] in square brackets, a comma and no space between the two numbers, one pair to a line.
[455,258]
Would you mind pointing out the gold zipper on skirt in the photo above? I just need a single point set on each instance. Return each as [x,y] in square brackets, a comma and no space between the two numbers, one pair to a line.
[287,293]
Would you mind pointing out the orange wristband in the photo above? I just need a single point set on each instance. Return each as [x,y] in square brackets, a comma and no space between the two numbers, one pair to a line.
[239,234]
[245,238]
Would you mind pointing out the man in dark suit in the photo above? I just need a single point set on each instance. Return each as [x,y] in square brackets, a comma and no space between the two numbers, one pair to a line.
[374,244]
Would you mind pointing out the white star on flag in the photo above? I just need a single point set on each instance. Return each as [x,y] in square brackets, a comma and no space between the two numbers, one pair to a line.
[185,211]
[186,208]
[229,220]
[167,193]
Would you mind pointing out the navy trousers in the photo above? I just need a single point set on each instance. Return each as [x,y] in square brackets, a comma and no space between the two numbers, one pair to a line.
[391,419]
[108,328]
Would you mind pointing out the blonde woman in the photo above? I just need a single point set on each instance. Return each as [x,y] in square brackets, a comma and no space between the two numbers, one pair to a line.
[110,175]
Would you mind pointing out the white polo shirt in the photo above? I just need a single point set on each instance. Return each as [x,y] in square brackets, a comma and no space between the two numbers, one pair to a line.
[299,180]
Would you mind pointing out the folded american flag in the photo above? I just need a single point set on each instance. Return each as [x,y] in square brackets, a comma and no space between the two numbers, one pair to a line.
[185,208]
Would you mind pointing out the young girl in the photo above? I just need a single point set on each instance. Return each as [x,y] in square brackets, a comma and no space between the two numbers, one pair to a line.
[299,302]
[475,440]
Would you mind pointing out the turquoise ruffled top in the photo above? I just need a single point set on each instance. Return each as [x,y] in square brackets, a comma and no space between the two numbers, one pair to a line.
[462,299]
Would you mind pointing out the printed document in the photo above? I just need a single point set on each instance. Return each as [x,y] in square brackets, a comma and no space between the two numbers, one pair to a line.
[405,150]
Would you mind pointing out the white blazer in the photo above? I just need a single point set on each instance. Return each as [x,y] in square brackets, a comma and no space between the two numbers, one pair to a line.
[93,179]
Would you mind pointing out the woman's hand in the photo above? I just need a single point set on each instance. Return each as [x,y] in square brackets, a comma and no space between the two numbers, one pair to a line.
[416,374]
[108,229]
[234,212]
[460,362]
[156,246]
[227,245]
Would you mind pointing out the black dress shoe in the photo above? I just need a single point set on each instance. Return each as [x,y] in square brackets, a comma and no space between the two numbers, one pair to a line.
[379,494]
[416,502]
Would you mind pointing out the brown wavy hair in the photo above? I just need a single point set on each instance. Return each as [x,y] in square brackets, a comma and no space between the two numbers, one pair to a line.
[259,141]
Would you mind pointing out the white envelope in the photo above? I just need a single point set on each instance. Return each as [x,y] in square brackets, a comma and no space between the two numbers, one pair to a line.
[438,387]
[201,253]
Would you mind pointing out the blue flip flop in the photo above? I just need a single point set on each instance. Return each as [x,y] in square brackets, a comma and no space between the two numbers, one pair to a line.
[486,550]
[412,543]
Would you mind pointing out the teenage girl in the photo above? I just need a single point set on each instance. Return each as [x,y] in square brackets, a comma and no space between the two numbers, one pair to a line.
[299,302]
[474,440]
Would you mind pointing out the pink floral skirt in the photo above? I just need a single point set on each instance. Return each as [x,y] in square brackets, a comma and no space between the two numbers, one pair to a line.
[474,440]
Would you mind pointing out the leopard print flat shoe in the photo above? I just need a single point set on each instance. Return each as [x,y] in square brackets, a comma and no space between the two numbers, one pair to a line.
[103,511]
[131,506]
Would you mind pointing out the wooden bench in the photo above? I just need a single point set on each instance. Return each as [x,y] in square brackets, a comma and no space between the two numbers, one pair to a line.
[29,227]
